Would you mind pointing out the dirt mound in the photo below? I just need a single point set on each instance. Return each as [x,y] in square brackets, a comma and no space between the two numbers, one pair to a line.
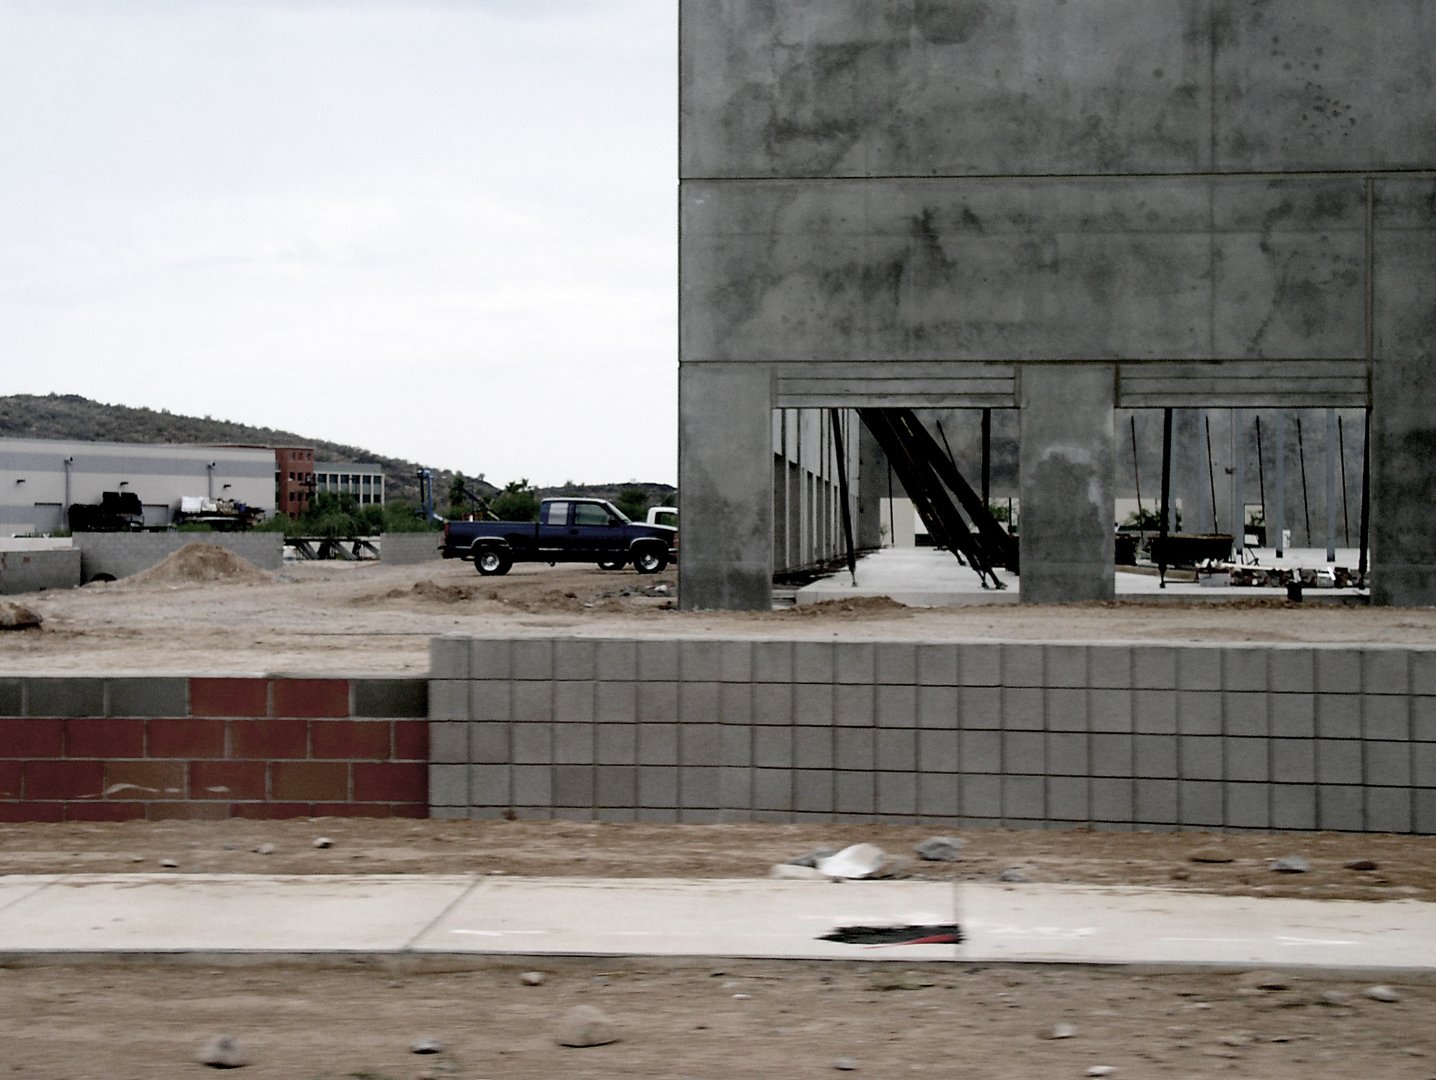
[421,590]
[858,606]
[198,563]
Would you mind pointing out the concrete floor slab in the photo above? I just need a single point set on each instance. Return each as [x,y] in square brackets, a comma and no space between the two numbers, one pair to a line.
[15,888]
[689,918]
[270,916]
[1107,925]
[929,577]
[226,912]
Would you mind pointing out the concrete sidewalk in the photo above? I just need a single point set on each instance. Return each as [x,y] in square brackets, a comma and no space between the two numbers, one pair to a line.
[929,577]
[263,916]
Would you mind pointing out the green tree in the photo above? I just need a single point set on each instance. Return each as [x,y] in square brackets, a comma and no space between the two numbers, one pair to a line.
[458,497]
[517,502]
[332,514]
[633,502]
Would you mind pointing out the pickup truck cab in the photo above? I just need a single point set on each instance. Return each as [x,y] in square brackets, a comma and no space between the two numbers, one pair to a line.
[568,530]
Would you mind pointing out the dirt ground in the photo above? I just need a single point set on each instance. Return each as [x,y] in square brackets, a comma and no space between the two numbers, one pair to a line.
[677,1019]
[205,614]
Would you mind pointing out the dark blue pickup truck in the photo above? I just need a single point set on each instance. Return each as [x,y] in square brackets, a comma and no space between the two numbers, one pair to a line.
[568,530]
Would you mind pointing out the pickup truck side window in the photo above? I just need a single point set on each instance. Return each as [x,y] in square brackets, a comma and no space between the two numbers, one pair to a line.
[589,514]
[555,513]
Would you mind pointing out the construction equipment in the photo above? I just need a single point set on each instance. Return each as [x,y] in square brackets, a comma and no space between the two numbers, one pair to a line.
[117,511]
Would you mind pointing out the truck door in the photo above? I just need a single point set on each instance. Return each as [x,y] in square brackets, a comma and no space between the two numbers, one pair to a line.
[553,529]
[595,532]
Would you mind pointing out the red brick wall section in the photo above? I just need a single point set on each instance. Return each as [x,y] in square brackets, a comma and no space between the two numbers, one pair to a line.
[211,748]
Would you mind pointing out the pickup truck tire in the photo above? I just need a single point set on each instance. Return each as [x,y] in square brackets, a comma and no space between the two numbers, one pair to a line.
[649,561]
[610,564]
[492,562]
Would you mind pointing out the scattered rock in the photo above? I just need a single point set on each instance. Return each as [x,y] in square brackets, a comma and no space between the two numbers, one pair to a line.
[1361,864]
[584,1025]
[812,858]
[1060,1031]
[323,842]
[223,1052]
[264,849]
[1013,876]
[426,1045]
[794,872]
[857,861]
[1290,864]
[845,1065]
[1265,980]
[1382,993]
[532,978]
[940,849]
[15,616]
[1210,854]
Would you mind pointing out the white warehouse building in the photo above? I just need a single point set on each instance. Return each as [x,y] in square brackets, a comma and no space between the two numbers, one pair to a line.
[41,478]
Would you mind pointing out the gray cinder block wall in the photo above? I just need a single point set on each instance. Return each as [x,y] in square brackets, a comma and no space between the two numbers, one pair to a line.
[1118,736]
[122,554]
[406,549]
[1206,203]
[31,571]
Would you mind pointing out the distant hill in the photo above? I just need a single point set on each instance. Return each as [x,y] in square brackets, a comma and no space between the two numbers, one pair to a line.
[70,416]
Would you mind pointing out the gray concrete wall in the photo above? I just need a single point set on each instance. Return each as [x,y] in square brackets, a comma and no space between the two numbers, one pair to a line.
[31,571]
[406,549]
[122,554]
[907,204]
[1019,734]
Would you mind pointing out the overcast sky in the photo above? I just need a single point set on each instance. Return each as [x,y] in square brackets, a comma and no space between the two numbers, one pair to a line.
[443,230]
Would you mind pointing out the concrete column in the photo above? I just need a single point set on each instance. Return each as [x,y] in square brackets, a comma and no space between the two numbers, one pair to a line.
[1403,423]
[725,484]
[1066,460]
[871,487]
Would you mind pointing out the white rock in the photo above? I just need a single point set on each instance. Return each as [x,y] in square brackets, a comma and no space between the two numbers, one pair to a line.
[1383,993]
[789,872]
[532,978]
[857,861]
[584,1025]
[323,842]
[223,1052]
[264,849]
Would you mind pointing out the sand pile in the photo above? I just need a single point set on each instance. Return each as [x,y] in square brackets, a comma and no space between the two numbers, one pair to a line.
[200,562]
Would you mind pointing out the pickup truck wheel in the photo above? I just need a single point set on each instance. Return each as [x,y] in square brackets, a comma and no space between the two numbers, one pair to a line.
[610,564]
[492,562]
[649,561]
